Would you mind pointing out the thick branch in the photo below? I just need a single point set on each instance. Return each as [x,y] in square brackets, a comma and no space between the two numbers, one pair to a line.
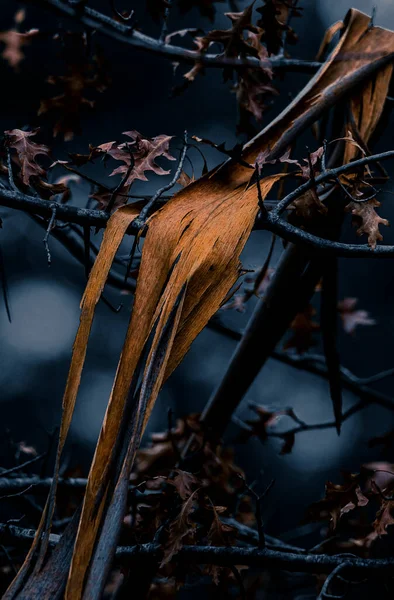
[44,208]
[127,35]
[226,556]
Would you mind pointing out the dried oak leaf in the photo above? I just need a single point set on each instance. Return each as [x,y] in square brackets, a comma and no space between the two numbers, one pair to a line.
[351,317]
[243,39]
[184,483]
[384,517]
[27,151]
[251,93]
[274,22]
[303,327]
[219,534]
[262,159]
[180,529]
[14,41]
[308,205]
[143,152]
[366,217]
[338,500]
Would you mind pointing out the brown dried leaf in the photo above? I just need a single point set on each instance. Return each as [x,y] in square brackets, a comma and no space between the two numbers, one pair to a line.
[351,317]
[368,219]
[338,500]
[180,529]
[384,517]
[27,152]
[273,21]
[303,327]
[143,152]
[184,483]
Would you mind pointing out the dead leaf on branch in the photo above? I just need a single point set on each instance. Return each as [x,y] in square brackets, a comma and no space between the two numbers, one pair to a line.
[139,156]
[339,500]
[27,151]
[181,529]
[369,221]
[243,39]
[303,329]
[143,152]
[184,483]
[384,517]
[274,23]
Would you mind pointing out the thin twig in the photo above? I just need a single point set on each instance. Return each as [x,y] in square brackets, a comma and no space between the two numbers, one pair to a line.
[166,16]
[4,285]
[23,465]
[48,231]
[21,493]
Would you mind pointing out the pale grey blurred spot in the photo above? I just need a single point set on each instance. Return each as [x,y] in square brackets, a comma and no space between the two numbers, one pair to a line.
[44,320]
[92,401]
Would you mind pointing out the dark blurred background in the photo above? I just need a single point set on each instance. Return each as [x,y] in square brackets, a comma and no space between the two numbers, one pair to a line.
[35,348]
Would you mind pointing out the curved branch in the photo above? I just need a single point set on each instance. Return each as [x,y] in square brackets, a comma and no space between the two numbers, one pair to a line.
[126,34]
[330,174]
[293,234]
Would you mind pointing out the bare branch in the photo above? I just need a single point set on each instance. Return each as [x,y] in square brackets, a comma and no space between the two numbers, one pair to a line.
[226,556]
[126,34]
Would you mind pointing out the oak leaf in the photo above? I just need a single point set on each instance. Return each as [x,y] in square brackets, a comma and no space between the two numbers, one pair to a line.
[181,528]
[27,151]
[384,517]
[303,327]
[184,483]
[352,317]
[143,152]
[274,22]
[369,221]
[339,499]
